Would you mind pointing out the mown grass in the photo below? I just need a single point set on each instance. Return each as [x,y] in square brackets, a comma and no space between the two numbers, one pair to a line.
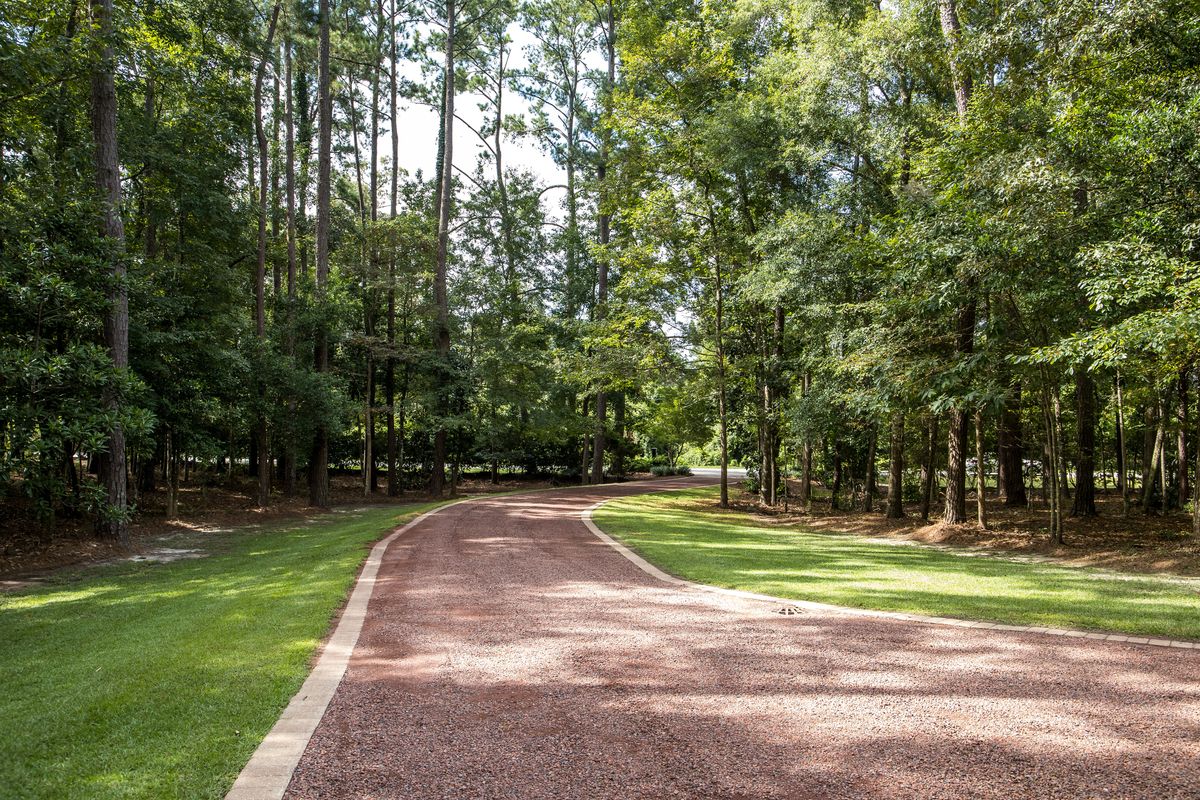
[159,680]
[683,534]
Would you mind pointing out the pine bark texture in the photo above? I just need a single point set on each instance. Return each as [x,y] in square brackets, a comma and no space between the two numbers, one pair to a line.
[1085,464]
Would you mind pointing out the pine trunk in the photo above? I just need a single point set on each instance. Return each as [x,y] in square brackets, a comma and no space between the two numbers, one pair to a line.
[113,523]
[929,467]
[1011,451]
[1181,442]
[318,466]
[870,488]
[260,277]
[1085,465]
[441,334]
[895,504]
[289,456]
[980,473]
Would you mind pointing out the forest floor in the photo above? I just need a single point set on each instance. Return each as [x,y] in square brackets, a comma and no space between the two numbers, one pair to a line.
[1138,542]
[28,553]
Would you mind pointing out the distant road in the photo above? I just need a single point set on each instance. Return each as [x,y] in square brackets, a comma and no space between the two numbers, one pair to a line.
[735,473]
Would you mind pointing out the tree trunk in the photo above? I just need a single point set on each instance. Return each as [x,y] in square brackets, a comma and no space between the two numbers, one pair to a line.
[956,460]
[980,473]
[260,313]
[1196,488]
[618,449]
[318,466]
[806,454]
[441,333]
[289,456]
[836,489]
[113,522]
[956,474]
[1064,489]
[1011,451]
[952,33]
[722,400]
[389,375]
[604,221]
[1085,466]
[870,488]
[929,466]
[172,458]
[955,512]
[1161,456]
[1050,473]
[1181,448]
[895,504]
[1122,466]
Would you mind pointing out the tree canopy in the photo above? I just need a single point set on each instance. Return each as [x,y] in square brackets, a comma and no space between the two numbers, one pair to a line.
[926,241]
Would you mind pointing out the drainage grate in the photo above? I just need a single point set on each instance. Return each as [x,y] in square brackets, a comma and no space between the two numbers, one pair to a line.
[788,611]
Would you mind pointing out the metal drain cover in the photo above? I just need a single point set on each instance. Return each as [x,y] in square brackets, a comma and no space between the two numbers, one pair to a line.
[788,611]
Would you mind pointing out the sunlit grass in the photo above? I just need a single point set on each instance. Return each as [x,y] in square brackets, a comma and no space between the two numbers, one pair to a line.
[159,680]
[683,534]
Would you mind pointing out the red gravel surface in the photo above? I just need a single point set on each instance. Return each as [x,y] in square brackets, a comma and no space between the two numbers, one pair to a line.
[508,653]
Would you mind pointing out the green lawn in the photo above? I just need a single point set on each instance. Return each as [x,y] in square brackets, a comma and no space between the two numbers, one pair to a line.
[680,533]
[158,681]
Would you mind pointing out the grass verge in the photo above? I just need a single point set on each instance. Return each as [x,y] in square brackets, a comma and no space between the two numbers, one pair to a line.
[159,680]
[683,534]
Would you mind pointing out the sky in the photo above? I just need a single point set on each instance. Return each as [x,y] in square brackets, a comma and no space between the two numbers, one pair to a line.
[418,126]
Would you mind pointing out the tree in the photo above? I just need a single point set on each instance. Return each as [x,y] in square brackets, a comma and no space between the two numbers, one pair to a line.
[318,466]
[441,332]
[260,301]
[112,229]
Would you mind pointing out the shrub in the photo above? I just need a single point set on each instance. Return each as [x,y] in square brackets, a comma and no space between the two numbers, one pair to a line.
[663,471]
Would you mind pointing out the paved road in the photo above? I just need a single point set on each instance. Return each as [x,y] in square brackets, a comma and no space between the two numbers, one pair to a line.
[508,653]
[734,473]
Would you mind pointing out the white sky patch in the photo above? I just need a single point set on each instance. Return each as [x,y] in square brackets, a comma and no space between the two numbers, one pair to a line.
[418,131]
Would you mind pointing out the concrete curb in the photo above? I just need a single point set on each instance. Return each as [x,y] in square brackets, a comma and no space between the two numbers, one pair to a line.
[650,569]
[267,775]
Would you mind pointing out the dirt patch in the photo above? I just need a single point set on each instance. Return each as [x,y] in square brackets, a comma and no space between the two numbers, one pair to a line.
[1134,543]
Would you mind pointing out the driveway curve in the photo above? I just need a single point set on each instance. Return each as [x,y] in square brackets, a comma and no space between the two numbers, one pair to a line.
[509,653]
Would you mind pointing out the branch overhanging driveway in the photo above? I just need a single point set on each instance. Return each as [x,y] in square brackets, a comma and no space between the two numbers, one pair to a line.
[508,652]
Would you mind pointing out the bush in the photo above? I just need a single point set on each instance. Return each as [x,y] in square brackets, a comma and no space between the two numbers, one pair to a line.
[663,471]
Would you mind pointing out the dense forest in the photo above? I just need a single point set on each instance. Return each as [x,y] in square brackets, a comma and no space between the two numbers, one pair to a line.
[915,251]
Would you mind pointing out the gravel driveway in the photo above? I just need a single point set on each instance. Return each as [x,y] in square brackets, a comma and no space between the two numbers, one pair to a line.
[508,653]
